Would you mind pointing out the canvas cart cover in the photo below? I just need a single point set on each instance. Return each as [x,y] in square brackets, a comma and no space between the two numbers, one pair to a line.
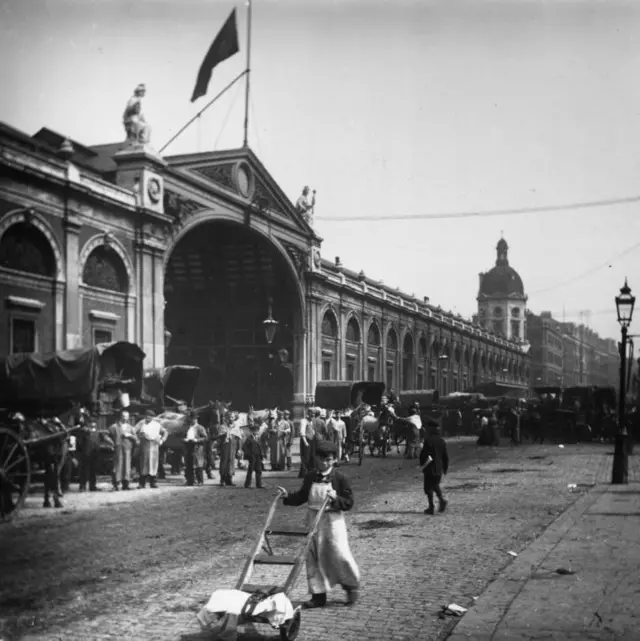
[68,375]
[491,388]
[344,394]
[173,383]
[426,398]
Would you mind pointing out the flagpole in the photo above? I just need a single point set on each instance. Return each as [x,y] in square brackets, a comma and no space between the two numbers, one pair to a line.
[233,82]
[248,79]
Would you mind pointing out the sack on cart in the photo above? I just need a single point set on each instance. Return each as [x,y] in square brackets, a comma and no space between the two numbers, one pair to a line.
[226,607]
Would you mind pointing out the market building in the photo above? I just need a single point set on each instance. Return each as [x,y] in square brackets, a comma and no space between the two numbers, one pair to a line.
[201,259]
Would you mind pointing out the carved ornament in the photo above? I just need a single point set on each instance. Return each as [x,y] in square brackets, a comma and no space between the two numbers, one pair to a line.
[220,174]
[299,258]
[179,207]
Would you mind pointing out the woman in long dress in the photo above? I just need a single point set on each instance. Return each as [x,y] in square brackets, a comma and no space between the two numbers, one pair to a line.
[329,560]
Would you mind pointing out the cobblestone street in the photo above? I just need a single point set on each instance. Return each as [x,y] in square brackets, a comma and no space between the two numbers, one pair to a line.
[139,565]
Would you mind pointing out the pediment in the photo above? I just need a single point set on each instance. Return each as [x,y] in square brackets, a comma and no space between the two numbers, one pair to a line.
[241,176]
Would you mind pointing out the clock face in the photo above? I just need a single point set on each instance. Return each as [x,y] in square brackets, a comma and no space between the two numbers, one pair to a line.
[244,181]
[154,189]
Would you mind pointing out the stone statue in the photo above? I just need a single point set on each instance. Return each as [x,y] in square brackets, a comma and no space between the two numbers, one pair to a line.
[136,127]
[305,205]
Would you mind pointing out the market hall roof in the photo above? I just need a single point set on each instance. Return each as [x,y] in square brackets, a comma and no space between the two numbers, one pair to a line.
[502,281]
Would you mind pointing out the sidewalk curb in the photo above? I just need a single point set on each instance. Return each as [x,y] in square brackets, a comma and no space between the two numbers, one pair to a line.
[484,617]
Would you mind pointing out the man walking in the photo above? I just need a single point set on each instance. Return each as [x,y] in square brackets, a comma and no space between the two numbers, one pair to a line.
[435,448]
[124,439]
[152,435]
[337,433]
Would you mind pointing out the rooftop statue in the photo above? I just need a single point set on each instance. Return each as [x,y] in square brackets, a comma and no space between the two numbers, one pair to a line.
[305,205]
[135,125]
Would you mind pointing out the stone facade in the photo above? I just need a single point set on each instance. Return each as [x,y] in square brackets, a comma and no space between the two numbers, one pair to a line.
[87,235]
[546,337]
[568,355]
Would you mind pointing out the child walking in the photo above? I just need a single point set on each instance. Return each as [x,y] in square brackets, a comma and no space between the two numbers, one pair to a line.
[329,560]
[434,448]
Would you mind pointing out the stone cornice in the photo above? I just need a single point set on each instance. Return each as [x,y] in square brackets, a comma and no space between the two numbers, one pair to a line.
[56,172]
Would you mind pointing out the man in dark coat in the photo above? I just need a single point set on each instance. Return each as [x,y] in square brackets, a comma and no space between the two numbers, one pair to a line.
[89,439]
[435,448]
[253,454]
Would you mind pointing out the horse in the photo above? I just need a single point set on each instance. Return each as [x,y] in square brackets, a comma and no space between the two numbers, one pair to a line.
[48,445]
[177,426]
[402,429]
[376,429]
[242,422]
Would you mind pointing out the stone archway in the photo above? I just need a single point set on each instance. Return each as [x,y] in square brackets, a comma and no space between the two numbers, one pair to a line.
[220,279]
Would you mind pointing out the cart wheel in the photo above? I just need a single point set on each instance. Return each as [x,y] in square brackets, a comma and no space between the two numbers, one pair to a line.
[15,473]
[289,631]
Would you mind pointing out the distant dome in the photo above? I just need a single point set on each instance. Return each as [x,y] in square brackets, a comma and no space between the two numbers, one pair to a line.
[502,280]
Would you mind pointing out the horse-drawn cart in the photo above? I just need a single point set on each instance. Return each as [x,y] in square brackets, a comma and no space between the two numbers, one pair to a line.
[35,391]
[345,397]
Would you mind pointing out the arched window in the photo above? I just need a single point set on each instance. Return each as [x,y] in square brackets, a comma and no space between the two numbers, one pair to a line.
[105,269]
[392,339]
[25,248]
[407,362]
[407,347]
[353,330]
[373,336]
[422,348]
[329,325]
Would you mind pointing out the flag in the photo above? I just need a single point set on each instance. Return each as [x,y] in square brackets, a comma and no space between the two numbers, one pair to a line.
[224,46]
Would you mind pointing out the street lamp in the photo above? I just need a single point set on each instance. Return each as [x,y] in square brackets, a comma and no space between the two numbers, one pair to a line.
[270,325]
[624,306]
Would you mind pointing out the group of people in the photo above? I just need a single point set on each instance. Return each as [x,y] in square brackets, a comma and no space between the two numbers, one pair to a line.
[87,444]
[330,561]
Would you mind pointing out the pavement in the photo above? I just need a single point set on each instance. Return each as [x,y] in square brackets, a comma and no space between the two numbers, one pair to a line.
[579,580]
[139,565]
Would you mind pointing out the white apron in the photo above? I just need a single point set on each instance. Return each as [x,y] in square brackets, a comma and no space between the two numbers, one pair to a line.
[329,560]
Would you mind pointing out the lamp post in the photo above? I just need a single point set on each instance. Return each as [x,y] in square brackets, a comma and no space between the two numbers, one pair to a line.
[624,306]
[270,325]
[441,359]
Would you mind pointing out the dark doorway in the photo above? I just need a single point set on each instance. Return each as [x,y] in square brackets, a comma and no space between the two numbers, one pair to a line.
[218,283]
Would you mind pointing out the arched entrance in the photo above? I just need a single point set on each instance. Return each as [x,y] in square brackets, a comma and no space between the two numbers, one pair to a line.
[220,280]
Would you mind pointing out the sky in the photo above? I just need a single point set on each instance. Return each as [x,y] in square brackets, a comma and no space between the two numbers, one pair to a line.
[392,109]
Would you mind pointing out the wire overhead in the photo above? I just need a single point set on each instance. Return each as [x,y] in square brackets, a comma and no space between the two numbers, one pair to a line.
[589,271]
[490,212]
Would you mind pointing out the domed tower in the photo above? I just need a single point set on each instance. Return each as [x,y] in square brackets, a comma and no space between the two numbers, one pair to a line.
[501,298]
